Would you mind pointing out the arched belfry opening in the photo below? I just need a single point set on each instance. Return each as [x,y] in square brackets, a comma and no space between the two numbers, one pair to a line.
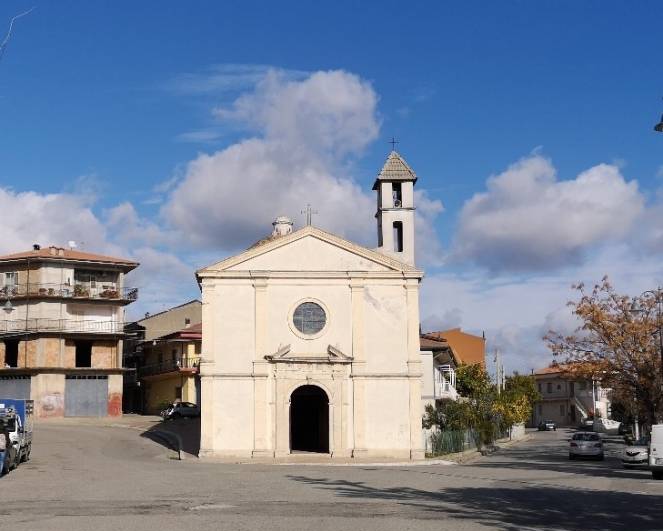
[309,420]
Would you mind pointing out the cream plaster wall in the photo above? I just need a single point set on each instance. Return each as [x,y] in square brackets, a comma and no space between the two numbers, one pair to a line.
[371,375]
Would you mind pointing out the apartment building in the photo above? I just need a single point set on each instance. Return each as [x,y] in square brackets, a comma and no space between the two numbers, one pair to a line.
[61,330]
[163,353]
[566,399]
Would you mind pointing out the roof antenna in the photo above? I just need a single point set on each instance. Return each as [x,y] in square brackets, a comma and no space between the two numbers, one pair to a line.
[71,244]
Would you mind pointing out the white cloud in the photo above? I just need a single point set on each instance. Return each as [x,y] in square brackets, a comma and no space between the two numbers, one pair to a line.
[529,220]
[221,78]
[331,113]
[516,311]
[30,217]
[306,133]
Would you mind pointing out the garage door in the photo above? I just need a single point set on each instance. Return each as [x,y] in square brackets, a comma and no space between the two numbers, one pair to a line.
[86,395]
[15,387]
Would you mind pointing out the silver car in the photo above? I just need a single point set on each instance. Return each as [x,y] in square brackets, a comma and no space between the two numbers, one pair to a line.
[637,454]
[586,444]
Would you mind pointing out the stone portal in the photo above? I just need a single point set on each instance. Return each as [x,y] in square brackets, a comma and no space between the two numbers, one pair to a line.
[309,420]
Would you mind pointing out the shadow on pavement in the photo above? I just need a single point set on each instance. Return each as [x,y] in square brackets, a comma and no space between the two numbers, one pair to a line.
[170,433]
[514,509]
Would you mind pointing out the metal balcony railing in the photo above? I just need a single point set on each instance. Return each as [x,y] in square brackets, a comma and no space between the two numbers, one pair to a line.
[75,291]
[445,382]
[61,325]
[171,365]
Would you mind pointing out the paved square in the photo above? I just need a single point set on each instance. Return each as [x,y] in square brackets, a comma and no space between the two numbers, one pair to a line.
[108,478]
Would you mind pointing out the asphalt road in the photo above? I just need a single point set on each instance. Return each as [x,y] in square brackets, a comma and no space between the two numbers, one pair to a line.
[97,478]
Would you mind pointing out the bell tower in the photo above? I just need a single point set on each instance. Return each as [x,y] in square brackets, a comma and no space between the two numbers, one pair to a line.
[395,187]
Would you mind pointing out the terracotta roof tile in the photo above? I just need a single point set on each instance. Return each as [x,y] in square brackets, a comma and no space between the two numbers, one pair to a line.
[59,253]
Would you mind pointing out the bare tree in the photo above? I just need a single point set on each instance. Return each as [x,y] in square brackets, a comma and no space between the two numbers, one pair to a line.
[5,42]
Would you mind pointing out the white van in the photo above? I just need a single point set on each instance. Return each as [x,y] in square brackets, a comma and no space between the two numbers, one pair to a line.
[656,451]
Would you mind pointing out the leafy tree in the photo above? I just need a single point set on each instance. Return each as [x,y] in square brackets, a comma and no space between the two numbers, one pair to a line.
[480,407]
[616,346]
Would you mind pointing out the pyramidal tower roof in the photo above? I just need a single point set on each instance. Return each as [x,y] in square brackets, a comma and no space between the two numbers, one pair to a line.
[395,169]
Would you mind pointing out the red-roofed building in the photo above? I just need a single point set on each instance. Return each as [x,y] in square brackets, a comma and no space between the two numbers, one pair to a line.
[566,398]
[61,330]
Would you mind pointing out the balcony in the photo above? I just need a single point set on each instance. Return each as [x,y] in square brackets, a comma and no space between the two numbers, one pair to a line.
[68,291]
[444,382]
[173,365]
[73,326]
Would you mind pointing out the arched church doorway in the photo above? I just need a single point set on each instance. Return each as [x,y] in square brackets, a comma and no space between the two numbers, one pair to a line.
[309,420]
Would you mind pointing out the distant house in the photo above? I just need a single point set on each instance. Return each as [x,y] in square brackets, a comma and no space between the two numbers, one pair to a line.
[61,330]
[468,348]
[170,368]
[438,367]
[155,346]
[567,399]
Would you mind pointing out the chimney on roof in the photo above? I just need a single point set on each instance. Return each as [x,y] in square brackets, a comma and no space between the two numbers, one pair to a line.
[36,247]
[52,250]
[60,251]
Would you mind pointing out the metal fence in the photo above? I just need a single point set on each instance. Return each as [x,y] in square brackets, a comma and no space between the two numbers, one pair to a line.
[443,442]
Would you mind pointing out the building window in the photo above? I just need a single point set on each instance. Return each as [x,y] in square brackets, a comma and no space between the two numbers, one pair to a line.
[397,194]
[11,279]
[309,318]
[540,410]
[539,387]
[559,387]
[187,321]
[178,393]
[582,386]
[561,410]
[83,353]
[398,236]
[549,387]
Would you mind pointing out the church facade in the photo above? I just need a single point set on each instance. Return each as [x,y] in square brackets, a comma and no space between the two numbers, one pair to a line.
[311,342]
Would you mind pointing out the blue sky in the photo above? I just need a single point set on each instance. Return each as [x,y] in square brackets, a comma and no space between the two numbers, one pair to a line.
[108,103]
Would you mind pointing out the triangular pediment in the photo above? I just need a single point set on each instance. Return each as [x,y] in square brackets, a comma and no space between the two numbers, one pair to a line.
[308,249]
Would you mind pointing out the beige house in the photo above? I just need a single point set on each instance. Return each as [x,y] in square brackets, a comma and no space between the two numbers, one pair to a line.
[567,400]
[439,362]
[61,330]
[169,369]
[162,352]
[311,342]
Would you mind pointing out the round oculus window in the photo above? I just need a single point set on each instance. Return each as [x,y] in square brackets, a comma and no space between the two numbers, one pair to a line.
[309,318]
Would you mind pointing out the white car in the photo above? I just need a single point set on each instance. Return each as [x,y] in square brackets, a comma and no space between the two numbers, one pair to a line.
[656,451]
[637,454]
[586,444]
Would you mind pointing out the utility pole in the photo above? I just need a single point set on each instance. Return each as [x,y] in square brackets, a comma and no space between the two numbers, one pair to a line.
[499,371]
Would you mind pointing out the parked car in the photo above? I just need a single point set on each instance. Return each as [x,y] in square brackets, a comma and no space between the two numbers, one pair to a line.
[586,424]
[547,425]
[636,454]
[585,444]
[181,410]
[656,451]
